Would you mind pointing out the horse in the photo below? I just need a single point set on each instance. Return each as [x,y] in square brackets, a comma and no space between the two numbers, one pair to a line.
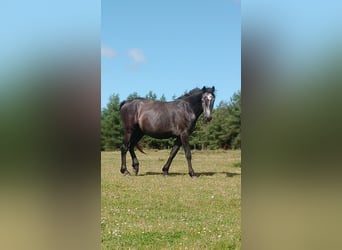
[162,120]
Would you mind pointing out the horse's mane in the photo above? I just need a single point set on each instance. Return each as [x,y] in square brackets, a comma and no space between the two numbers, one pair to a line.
[191,92]
[196,91]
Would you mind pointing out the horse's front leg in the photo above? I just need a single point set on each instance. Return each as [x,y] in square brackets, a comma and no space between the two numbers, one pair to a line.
[186,146]
[173,153]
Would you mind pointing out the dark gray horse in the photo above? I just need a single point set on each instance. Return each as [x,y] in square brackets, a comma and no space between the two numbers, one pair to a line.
[164,120]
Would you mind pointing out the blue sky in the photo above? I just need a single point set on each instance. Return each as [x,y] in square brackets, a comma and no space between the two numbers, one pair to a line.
[48,30]
[169,47]
[303,31]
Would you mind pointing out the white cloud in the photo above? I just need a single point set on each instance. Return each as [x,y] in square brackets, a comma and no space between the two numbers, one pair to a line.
[137,55]
[108,52]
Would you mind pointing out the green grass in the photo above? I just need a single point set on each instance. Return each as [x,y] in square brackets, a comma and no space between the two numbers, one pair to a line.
[150,211]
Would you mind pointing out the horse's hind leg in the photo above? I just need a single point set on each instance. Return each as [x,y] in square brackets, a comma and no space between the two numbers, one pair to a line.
[135,138]
[124,148]
[135,162]
[173,153]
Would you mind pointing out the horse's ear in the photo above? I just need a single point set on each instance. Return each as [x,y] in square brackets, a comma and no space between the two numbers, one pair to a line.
[213,88]
[204,88]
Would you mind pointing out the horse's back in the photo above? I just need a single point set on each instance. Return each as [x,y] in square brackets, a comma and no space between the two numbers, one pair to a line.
[164,119]
[156,118]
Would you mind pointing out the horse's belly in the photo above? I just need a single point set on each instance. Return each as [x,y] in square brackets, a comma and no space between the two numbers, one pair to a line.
[160,136]
[157,132]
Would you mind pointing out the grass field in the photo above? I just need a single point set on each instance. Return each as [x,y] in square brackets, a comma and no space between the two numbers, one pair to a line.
[150,211]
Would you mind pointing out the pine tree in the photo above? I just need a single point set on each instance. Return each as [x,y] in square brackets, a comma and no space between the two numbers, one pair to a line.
[162,98]
[151,96]
[111,127]
[132,96]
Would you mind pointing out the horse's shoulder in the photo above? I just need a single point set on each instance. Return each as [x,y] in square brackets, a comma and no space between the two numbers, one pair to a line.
[184,104]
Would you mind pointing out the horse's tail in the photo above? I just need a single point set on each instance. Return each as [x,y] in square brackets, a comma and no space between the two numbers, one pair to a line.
[140,148]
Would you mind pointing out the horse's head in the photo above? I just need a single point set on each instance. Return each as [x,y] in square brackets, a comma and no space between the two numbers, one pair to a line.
[208,99]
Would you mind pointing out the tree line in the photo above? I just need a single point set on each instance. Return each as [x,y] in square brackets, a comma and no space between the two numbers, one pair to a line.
[224,131]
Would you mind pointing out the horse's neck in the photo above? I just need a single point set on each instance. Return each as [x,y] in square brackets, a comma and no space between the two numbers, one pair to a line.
[195,104]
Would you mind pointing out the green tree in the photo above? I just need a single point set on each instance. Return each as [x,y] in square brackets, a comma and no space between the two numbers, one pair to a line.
[226,126]
[162,98]
[132,96]
[111,127]
[235,120]
[217,132]
[151,96]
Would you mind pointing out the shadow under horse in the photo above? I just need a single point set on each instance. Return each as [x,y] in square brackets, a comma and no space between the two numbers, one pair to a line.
[162,120]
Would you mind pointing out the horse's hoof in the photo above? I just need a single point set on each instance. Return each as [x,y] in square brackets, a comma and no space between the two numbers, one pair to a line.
[127,173]
[194,176]
[135,170]
[166,174]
